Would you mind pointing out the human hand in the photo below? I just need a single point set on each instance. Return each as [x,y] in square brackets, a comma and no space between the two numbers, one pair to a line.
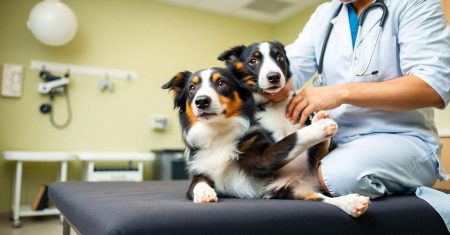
[314,99]
[280,95]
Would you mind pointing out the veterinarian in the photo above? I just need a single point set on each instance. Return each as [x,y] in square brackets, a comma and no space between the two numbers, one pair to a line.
[380,85]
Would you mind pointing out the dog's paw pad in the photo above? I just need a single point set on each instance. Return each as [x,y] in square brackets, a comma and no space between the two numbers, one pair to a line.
[328,127]
[320,115]
[355,204]
[203,193]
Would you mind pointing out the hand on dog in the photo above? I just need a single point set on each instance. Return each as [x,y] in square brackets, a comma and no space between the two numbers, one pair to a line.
[313,99]
[280,95]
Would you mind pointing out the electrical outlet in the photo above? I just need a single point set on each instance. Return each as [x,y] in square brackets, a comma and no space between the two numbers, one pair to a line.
[12,80]
[159,122]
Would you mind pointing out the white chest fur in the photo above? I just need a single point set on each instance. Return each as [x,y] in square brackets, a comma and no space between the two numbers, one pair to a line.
[218,155]
[274,119]
[228,178]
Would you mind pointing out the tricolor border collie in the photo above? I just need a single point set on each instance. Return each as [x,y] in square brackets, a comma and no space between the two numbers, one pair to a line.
[228,153]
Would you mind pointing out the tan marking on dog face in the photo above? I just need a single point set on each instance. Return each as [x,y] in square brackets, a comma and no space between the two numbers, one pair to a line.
[190,114]
[249,80]
[215,77]
[232,106]
[257,54]
[239,65]
[196,80]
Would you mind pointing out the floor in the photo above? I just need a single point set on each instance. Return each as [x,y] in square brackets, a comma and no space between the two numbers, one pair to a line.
[49,225]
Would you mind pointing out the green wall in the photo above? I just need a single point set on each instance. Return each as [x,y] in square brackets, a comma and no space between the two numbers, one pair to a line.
[155,39]
[288,30]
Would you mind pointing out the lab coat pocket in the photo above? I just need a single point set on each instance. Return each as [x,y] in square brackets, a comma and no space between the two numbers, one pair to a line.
[384,62]
[388,59]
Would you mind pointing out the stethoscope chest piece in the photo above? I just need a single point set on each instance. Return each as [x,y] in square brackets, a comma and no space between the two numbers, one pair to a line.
[319,80]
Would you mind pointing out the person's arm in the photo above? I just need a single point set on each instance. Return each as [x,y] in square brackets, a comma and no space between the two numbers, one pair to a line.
[404,93]
[424,56]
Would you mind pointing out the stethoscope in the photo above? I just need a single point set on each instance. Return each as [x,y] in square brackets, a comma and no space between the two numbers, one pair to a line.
[320,79]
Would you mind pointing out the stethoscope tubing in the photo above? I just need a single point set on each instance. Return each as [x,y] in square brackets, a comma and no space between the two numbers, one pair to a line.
[377,4]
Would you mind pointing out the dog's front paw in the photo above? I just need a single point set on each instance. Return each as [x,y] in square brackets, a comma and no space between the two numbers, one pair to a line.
[320,115]
[354,204]
[203,193]
[326,127]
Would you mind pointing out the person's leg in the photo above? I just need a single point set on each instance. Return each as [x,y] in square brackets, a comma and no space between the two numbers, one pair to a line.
[376,165]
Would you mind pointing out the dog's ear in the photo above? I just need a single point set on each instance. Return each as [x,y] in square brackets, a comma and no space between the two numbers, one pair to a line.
[278,44]
[232,54]
[177,84]
[178,81]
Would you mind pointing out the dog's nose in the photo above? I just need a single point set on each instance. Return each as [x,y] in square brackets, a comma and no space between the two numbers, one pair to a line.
[203,102]
[274,77]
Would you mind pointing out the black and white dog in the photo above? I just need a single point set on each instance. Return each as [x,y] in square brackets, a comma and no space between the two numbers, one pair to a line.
[264,66]
[229,153]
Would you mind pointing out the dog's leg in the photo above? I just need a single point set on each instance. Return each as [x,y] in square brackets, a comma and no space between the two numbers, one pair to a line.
[353,204]
[319,131]
[320,150]
[202,190]
[272,157]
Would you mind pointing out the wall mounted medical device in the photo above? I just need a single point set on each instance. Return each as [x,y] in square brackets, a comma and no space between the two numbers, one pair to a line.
[53,85]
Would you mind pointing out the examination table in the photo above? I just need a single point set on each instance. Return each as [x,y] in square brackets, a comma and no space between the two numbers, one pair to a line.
[159,207]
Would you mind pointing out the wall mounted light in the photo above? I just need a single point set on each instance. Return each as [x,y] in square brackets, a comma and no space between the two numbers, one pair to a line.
[52,22]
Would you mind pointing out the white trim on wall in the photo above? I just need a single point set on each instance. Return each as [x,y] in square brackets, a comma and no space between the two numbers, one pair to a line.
[84,70]
[444,132]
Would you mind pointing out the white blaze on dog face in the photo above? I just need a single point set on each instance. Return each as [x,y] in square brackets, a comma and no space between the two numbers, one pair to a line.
[206,91]
[268,68]
[213,95]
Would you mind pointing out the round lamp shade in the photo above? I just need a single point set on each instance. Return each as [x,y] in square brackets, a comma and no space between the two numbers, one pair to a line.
[52,22]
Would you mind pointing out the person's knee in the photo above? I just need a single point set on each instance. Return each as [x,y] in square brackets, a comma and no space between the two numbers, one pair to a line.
[346,181]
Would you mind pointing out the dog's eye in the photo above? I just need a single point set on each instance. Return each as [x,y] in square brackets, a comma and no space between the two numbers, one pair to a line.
[253,61]
[280,58]
[192,88]
[222,84]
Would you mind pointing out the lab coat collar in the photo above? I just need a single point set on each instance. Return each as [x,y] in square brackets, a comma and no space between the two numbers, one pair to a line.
[342,25]
[342,28]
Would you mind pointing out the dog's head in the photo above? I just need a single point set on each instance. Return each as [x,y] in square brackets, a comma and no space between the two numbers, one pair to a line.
[262,65]
[210,95]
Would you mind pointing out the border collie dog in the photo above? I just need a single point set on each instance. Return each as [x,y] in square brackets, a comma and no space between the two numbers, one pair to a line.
[227,151]
[264,67]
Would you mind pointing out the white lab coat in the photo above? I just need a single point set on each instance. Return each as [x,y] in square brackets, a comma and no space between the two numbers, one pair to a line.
[415,41]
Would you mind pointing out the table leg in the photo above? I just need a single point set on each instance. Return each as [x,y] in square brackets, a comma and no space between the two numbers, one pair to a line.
[16,198]
[66,227]
[63,172]
[89,171]
[141,170]
[63,178]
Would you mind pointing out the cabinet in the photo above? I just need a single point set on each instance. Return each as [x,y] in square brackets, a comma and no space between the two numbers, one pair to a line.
[128,173]
[446,7]
[445,160]
[19,210]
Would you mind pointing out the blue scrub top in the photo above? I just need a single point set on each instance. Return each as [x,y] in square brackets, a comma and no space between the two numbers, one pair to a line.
[354,22]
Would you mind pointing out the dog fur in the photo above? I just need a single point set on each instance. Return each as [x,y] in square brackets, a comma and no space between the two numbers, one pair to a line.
[228,153]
